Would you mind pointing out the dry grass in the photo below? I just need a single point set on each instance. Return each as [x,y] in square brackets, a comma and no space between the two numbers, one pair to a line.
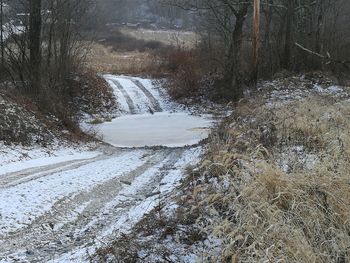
[138,51]
[104,59]
[185,39]
[263,214]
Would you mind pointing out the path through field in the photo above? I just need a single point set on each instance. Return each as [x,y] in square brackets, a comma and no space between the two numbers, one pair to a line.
[62,211]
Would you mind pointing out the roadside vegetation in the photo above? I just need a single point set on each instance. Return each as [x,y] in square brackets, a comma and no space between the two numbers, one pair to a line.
[272,185]
[43,68]
[278,174]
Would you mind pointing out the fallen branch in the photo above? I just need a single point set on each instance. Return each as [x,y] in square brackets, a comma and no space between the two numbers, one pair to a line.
[327,57]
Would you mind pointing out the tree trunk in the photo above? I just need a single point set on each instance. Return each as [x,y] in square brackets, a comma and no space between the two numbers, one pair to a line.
[289,35]
[267,37]
[35,46]
[256,40]
[2,35]
[232,86]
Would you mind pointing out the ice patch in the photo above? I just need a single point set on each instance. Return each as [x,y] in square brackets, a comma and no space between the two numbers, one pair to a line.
[160,129]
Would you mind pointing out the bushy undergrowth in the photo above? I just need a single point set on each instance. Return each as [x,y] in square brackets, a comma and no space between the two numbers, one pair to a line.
[189,75]
[20,122]
[262,213]
[92,95]
[185,79]
[25,121]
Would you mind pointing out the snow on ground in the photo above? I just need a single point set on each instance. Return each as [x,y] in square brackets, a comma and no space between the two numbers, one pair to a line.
[143,206]
[149,118]
[16,158]
[60,201]
[141,100]
[160,94]
[336,91]
[123,105]
[23,203]
[297,88]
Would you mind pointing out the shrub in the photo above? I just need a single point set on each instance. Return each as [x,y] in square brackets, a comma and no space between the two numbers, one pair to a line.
[185,74]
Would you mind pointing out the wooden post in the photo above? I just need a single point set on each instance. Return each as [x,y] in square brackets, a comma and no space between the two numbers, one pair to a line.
[256,40]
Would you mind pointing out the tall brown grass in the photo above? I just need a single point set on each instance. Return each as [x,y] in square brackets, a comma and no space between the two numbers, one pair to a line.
[264,214]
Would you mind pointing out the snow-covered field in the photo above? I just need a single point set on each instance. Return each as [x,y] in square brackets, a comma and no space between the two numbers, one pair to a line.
[60,204]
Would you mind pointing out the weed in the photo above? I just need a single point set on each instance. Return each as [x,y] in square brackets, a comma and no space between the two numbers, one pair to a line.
[96,121]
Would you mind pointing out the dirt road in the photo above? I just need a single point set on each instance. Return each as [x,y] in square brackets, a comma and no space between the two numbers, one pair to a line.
[61,212]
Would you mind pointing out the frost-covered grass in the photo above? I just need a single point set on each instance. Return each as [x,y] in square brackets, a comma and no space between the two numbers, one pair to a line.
[274,184]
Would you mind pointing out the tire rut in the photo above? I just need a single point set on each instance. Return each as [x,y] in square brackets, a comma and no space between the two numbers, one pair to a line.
[128,99]
[148,94]
[27,175]
[47,236]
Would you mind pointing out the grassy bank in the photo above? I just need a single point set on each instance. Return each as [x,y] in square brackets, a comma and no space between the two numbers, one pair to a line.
[273,185]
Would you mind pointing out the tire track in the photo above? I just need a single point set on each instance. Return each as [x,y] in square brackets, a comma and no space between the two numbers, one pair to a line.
[44,241]
[24,176]
[155,103]
[19,177]
[128,99]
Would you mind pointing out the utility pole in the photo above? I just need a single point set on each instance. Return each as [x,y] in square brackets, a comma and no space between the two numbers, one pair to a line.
[256,40]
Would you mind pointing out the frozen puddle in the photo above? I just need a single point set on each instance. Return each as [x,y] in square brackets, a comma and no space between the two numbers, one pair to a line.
[165,129]
[148,119]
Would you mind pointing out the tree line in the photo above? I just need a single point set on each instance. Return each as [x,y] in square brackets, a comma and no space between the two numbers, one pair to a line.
[251,39]
[242,39]
[44,46]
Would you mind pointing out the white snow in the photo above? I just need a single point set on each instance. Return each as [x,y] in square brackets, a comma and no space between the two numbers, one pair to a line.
[129,218]
[173,127]
[336,91]
[21,204]
[54,180]
[162,97]
[123,106]
[140,100]
[59,156]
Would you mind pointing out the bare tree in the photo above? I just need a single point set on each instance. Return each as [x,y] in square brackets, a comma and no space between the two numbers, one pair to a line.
[227,18]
